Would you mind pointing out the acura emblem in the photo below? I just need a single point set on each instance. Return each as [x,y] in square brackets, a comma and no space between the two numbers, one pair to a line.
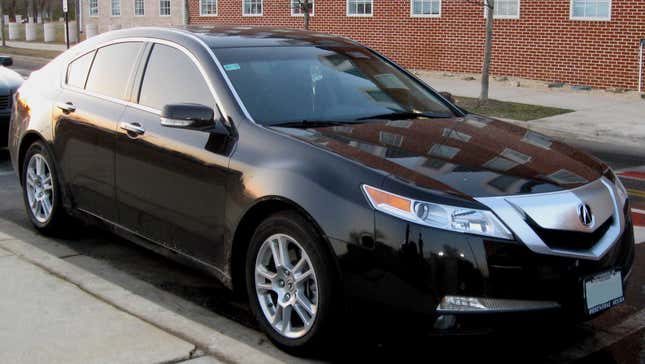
[584,213]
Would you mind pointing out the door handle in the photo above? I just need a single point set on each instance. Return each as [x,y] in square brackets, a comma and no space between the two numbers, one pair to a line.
[66,107]
[134,128]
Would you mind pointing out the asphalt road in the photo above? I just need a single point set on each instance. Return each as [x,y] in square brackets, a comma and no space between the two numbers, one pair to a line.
[123,263]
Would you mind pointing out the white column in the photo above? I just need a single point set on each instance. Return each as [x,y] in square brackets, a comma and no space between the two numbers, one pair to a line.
[73,36]
[14,31]
[91,29]
[49,31]
[30,32]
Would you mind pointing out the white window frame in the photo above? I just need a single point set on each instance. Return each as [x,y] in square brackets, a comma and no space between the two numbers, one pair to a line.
[169,8]
[261,7]
[313,8]
[143,2]
[413,15]
[589,18]
[359,15]
[112,8]
[90,7]
[216,8]
[519,11]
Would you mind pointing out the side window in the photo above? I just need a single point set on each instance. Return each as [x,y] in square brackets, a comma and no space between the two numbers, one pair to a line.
[172,78]
[112,69]
[77,70]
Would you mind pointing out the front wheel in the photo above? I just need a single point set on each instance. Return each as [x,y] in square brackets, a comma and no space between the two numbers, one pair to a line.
[291,283]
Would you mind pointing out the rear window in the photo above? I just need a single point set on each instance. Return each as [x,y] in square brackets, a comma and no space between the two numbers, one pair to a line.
[77,70]
[113,68]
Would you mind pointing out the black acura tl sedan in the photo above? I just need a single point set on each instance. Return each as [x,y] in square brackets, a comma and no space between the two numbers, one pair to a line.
[309,172]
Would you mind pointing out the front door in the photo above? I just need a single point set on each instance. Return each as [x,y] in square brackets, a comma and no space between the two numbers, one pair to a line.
[171,182]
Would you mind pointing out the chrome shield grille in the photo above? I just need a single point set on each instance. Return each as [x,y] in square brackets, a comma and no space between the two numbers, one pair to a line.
[549,223]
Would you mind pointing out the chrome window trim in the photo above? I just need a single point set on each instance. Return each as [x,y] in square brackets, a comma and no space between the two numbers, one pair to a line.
[513,216]
[191,56]
[236,96]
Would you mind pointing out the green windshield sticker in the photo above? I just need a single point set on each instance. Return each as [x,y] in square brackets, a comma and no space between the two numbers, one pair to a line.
[232,67]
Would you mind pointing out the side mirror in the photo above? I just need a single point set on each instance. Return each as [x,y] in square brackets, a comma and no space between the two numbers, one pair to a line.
[187,116]
[6,61]
[448,96]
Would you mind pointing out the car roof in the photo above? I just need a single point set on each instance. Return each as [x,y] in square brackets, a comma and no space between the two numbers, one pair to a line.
[219,36]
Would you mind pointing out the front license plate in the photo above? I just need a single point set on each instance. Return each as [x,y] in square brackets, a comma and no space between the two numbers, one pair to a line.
[603,291]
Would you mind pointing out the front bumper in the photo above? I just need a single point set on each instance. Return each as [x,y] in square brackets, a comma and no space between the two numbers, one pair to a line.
[414,268]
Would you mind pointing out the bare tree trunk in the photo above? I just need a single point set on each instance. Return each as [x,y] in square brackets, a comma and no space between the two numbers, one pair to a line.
[30,10]
[4,43]
[306,5]
[488,50]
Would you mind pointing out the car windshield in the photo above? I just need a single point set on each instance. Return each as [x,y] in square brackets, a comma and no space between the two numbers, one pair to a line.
[282,85]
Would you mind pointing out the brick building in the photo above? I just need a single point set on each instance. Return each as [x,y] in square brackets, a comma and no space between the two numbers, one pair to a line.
[591,42]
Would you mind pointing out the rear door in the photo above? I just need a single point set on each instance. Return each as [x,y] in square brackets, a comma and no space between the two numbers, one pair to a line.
[171,182]
[85,123]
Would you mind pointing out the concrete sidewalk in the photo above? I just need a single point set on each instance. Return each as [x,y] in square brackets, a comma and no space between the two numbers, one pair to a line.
[38,45]
[57,312]
[599,115]
[47,319]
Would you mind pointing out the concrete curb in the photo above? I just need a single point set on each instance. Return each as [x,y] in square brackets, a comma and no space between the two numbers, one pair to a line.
[210,340]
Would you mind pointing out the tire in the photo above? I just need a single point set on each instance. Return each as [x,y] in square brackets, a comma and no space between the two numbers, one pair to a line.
[48,216]
[319,288]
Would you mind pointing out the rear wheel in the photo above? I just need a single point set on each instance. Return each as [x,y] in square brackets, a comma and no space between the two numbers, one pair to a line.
[291,284]
[41,190]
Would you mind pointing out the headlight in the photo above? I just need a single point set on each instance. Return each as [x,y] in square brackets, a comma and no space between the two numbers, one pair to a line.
[622,191]
[453,218]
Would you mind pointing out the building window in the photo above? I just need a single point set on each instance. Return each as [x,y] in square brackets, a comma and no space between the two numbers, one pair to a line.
[296,7]
[359,7]
[94,7]
[139,8]
[252,8]
[116,7]
[164,7]
[590,10]
[208,7]
[425,8]
[443,151]
[505,9]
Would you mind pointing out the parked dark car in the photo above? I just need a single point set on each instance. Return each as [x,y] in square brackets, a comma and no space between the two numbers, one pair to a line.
[9,83]
[312,172]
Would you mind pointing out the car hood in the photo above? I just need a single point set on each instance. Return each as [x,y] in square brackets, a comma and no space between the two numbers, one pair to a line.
[9,80]
[471,156]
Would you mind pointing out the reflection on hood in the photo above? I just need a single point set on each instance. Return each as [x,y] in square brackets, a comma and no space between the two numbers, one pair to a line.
[472,156]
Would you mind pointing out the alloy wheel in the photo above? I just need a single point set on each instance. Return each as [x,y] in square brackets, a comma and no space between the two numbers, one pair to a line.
[40,188]
[286,286]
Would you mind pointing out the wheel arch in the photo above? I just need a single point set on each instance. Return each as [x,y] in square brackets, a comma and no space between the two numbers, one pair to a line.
[250,220]
[27,140]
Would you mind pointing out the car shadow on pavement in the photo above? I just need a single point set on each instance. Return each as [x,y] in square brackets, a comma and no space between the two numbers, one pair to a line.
[375,335]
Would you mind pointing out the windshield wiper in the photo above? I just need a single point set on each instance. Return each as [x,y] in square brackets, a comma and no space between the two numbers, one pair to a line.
[400,115]
[312,123]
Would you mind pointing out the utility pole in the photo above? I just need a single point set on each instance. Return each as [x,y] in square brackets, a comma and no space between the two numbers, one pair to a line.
[488,50]
[65,11]
[306,10]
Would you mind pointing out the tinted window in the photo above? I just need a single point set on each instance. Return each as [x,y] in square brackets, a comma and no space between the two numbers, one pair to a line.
[77,70]
[112,68]
[290,84]
[172,78]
